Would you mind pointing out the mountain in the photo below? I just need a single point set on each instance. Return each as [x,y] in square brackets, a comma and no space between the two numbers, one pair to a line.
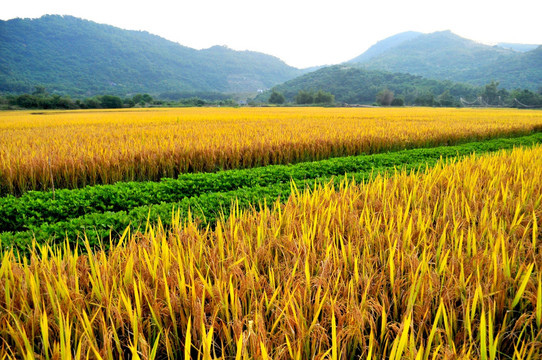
[446,56]
[356,85]
[386,44]
[518,47]
[523,71]
[73,56]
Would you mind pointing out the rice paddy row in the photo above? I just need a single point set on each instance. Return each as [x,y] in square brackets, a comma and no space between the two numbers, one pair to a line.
[78,148]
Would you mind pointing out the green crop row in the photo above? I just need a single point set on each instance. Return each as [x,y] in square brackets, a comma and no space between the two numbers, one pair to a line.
[100,210]
[206,208]
[36,208]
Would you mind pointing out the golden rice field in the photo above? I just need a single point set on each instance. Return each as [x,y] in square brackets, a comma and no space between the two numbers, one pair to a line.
[445,264]
[76,148]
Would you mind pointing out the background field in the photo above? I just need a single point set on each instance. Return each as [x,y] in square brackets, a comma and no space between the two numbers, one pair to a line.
[74,149]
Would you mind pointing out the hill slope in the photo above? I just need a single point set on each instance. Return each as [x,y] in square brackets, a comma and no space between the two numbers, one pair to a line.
[444,55]
[75,56]
[386,44]
[356,85]
[518,47]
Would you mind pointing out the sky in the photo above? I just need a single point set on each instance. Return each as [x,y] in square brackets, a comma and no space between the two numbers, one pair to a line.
[301,33]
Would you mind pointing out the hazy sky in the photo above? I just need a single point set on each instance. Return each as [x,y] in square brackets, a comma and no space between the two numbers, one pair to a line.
[302,33]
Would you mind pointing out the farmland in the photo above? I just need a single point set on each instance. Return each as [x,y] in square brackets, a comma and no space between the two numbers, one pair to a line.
[271,233]
[74,149]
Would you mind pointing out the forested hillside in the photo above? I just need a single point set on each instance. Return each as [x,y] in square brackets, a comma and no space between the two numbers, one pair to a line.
[356,85]
[72,56]
[446,56]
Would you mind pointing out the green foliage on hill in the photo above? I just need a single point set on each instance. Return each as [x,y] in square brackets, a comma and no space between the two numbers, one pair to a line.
[81,58]
[446,56]
[356,85]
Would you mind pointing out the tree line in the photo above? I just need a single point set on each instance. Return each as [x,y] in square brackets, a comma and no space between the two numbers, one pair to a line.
[352,85]
[304,97]
[40,99]
[488,96]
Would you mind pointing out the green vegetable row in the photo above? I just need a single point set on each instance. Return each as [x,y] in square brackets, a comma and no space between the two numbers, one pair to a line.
[100,210]
[36,208]
[206,208]
[98,226]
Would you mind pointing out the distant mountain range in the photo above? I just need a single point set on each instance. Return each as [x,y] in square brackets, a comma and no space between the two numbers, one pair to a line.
[72,56]
[446,56]
[81,58]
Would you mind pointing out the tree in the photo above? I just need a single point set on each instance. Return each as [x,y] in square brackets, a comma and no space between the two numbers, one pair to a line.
[142,99]
[59,102]
[27,101]
[193,101]
[147,98]
[385,97]
[490,93]
[446,99]
[398,102]
[323,97]
[110,102]
[91,103]
[39,90]
[128,102]
[304,97]
[276,98]
[426,99]
[526,97]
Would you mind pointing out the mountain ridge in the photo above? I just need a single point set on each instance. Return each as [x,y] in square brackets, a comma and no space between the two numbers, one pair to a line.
[69,55]
[444,55]
[385,44]
[81,58]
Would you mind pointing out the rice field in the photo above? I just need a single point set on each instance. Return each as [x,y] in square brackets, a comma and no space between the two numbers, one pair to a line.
[42,150]
[431,254]
[441,264]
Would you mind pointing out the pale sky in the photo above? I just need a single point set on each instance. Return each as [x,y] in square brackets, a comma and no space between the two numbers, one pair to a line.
[302,33]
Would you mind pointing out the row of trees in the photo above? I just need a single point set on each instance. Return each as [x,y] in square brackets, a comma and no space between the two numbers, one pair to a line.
[40,99]
[493,96]
[490,95]
[304,97]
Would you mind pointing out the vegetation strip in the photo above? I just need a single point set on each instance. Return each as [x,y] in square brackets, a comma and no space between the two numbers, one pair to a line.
[101,209]
[35,208]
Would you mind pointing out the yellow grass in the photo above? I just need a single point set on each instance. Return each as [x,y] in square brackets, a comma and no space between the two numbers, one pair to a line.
[76,148]
[440,265]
